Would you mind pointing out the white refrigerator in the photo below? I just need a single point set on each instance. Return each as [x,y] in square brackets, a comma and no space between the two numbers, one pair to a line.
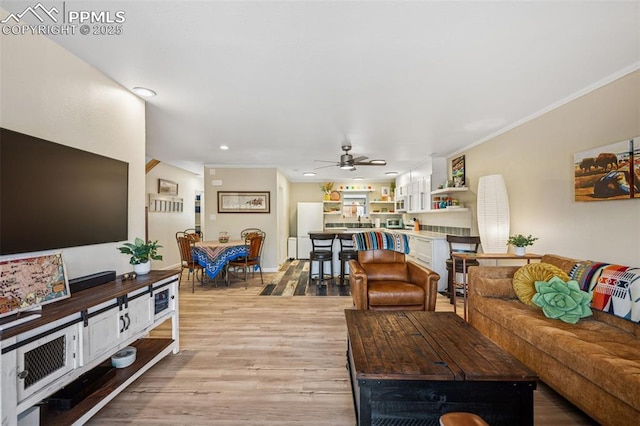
[310,218]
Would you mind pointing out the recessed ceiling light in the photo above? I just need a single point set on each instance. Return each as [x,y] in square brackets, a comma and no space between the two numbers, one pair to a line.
[308,174]
[224,147]
[391,173]
[143,91]
[358,178]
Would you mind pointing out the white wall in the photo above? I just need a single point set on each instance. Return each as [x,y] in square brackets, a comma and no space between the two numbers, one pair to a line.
[47,92]
[163,226]
[536,160]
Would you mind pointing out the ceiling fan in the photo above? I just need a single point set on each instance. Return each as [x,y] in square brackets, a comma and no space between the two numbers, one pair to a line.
[349,162]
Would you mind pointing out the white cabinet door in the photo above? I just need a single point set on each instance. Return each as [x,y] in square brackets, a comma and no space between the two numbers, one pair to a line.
[101,331]
[138,315]
[43,361]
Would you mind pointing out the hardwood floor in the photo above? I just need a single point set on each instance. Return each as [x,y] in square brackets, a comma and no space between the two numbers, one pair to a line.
[254,360]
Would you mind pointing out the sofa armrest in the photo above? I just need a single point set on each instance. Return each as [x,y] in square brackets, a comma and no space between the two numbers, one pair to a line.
[428,280]
[358,284]
[491,281]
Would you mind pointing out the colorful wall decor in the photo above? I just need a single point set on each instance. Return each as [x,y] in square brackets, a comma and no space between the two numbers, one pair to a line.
[610,172]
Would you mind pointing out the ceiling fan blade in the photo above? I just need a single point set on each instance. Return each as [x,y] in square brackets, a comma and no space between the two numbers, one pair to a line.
[371,163]
[359,159]
[325,161]
[324,167]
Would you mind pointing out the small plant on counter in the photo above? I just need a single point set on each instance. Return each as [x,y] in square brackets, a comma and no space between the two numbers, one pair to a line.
[519,240]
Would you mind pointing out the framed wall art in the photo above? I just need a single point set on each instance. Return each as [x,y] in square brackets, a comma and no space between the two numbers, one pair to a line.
[244,202]
[166,187]
[609,172]
[457,171]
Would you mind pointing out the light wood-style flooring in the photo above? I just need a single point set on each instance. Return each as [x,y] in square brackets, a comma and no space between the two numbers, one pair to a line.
[263,360]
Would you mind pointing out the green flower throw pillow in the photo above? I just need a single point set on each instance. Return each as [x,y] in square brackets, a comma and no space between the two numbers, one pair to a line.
[562,300]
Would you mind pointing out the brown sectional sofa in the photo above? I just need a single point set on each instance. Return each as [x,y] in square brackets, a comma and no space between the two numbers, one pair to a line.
[595,363]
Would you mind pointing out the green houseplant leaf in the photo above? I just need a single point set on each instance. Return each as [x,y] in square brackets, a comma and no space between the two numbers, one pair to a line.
[140,251]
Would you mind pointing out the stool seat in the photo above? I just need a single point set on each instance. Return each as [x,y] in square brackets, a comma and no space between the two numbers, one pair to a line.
[461,419]
[321,252]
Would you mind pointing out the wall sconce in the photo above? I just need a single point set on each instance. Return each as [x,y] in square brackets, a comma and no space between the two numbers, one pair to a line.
[493,214]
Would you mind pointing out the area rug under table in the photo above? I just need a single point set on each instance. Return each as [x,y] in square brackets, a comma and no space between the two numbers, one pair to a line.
[293,280]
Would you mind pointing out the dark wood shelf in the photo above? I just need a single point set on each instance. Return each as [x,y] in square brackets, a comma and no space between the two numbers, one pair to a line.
[147,350]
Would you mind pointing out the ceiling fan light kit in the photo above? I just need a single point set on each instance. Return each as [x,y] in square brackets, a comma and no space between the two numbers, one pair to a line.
[348,162]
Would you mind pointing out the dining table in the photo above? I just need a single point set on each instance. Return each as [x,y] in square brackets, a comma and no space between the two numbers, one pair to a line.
[213,256]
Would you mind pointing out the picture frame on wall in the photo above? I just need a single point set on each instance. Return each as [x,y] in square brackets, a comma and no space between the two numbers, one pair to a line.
[244,202]
[609,172]
[167,187]
[457,171]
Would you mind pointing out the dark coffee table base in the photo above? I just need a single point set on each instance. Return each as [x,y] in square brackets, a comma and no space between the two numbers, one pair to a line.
[417,403]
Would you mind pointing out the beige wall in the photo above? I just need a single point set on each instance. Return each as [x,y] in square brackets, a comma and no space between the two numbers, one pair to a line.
[163,226]
[536,160]
[241,179]
[51,94]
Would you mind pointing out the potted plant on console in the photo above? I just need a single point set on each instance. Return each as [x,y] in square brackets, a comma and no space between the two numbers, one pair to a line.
[141,254]
[520,242]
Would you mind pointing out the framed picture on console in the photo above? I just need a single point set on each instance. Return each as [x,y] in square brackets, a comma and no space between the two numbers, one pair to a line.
[30,281]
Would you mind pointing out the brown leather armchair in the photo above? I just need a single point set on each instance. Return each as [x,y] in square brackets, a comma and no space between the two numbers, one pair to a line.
[384,280]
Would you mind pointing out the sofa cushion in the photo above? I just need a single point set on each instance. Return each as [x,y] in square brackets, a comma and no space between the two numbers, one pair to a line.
[524,280]
[615,288]
[562,300]
[494,287]
[395,293]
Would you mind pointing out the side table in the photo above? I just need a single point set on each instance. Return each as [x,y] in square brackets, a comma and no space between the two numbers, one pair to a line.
[463,257]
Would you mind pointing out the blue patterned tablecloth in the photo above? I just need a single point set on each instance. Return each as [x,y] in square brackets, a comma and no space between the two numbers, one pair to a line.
[214,258]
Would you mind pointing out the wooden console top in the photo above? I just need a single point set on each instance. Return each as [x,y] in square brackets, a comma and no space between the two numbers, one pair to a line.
[86,298]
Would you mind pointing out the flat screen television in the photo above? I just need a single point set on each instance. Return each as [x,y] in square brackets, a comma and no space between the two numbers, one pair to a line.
[54,196]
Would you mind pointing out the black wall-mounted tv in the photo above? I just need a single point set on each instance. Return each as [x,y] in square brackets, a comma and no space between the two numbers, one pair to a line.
[54,196]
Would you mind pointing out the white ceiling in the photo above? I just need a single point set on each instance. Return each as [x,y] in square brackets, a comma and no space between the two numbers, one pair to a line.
[284,83]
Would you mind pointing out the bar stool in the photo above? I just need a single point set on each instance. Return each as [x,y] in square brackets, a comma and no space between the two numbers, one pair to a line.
[460,244]
[346,253]
[321,252]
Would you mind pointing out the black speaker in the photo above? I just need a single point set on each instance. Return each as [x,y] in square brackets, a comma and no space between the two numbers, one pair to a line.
[93,280]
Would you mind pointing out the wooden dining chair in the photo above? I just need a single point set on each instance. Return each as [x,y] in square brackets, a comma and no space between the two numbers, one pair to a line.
[185,246]
[254,241]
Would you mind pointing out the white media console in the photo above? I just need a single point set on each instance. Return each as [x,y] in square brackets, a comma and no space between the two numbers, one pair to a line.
[78,335]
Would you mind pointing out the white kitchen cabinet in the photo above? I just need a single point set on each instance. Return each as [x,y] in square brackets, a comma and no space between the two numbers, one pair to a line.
[419,183]
[431,253]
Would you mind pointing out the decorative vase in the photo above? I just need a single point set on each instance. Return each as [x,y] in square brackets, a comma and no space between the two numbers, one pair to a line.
[327,196]
[142,268]
[519,251]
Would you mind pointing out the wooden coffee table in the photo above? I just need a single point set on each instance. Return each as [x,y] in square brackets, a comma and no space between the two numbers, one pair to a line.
[412,367]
